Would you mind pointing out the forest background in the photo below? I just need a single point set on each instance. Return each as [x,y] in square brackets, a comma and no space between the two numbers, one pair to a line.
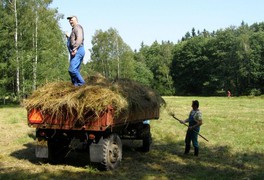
[34,52]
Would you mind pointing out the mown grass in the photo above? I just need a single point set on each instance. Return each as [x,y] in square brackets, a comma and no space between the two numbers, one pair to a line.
[234,127]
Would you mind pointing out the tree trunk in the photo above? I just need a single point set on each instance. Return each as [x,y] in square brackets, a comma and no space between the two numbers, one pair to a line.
[16,49]
[36,53]
[117,55]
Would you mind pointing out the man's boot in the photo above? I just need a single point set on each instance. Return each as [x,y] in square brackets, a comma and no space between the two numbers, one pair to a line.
[196,151]
[187,149]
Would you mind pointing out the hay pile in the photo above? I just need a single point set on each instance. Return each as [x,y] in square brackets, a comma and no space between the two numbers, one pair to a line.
[62,100]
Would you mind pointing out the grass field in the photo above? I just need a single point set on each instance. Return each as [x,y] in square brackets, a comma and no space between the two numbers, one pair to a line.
[234,127]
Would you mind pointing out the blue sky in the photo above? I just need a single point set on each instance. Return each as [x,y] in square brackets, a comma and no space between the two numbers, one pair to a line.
[148,20]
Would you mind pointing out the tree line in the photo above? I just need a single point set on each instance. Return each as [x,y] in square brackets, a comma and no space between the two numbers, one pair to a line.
[201,63]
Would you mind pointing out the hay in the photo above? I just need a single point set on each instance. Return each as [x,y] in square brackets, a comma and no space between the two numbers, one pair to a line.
[62,100]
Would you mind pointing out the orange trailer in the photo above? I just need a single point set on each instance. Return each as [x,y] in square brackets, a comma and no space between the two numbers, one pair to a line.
[99,134]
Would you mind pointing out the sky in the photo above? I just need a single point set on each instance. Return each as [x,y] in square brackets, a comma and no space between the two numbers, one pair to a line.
[147,21]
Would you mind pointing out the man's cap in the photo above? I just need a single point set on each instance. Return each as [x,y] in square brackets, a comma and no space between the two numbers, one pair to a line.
[69,17]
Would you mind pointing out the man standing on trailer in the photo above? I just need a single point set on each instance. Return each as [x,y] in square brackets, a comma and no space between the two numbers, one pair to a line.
[77,52]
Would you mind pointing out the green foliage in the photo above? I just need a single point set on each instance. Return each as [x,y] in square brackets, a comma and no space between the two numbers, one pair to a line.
[228,59]
[190,66]
[114,59]
[255,92]
[202,63]
[41,52]
[158,58]
[110,55]
[143,74]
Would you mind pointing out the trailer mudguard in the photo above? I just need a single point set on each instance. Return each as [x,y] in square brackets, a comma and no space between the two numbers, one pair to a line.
[96,151]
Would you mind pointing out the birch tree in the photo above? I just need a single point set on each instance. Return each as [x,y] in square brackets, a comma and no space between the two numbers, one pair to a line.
[16,47]
[36,50]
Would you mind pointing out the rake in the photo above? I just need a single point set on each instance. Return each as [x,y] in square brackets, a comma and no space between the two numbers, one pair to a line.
[173,115]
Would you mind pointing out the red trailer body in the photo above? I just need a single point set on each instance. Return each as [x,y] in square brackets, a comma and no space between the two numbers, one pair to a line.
[101,134]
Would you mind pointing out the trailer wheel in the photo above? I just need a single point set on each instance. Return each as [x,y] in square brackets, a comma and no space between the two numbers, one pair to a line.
[57,150]
[146,137]
[112,152]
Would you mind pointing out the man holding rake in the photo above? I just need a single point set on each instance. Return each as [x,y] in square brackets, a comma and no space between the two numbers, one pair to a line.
[195,121]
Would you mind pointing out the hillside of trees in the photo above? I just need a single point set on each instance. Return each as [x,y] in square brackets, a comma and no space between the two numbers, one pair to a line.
[201,63]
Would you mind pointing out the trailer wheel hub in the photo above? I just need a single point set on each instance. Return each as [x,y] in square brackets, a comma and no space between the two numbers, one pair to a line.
[113,153]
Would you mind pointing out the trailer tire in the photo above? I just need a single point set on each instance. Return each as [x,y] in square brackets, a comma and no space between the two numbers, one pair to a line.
[146,137]
[112,152]
[57,150]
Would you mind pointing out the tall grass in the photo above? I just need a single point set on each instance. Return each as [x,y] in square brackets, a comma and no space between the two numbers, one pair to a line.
[234,127]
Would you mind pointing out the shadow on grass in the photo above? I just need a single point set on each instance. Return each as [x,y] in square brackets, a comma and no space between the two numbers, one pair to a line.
[10,105]
[163,161]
